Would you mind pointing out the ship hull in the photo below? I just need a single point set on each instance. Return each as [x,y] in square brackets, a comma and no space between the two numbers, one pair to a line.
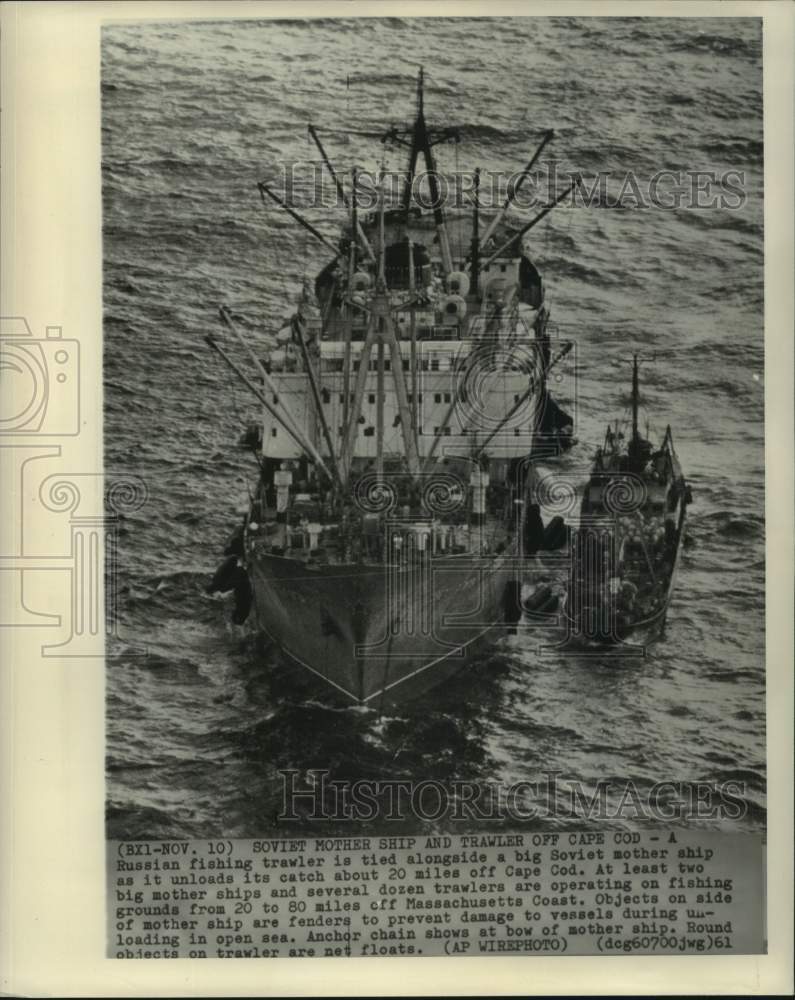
[378,635]
[601,625]
[650,628]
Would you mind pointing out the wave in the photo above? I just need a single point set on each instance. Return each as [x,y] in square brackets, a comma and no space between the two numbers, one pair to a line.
[751,148]
[730,525]
[719,45]
[382,79]
[734,675]
[132,821]
[679,99]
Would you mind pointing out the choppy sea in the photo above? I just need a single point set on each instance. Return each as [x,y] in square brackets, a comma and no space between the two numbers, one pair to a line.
[200,718]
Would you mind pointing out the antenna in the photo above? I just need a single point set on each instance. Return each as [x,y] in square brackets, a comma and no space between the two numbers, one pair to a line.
[354,220]
[348,330]
[492,227]
[475,251]
[637,361]
[381,241]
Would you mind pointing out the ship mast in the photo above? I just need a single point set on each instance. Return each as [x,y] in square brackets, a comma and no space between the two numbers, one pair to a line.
[348,309]
[475,251]
[413,343]
[380,290]
[422,141]
[381,334]
[635,399]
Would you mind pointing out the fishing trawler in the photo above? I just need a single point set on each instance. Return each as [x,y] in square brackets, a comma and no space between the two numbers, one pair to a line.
[627,546]
[402,408]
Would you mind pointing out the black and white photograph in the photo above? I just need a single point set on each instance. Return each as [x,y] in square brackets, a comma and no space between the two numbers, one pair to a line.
[438,344]
[397,433]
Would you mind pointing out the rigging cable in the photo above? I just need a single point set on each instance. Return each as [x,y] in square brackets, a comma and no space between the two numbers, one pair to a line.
[234,388]
[459,228]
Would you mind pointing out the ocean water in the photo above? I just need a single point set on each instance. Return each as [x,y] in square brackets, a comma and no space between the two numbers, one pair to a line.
[200,716]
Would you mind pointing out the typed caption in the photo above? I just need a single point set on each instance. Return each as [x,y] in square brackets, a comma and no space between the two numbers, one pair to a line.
[567,893]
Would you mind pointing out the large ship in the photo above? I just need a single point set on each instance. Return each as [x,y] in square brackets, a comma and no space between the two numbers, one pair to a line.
[403,408]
